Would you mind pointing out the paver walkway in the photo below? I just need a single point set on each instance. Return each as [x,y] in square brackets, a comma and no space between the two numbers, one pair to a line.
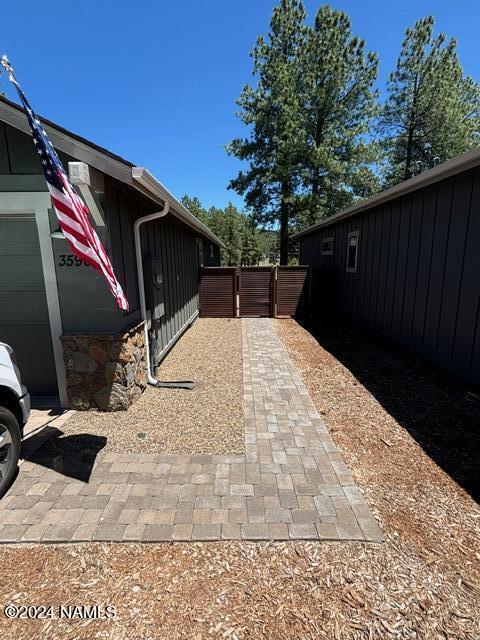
[290,484]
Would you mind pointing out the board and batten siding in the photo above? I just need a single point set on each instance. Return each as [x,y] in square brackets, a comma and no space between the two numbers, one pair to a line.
[171,270]
[418,273]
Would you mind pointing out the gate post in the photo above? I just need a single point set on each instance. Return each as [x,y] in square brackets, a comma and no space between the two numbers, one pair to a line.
[273,292]
[237,275]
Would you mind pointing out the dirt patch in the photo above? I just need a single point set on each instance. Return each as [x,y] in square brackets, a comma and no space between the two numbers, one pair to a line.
[208,419]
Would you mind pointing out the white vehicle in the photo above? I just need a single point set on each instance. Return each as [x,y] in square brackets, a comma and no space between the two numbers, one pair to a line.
[14,412]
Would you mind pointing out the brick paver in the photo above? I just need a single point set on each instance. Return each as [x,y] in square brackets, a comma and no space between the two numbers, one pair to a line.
[291,483]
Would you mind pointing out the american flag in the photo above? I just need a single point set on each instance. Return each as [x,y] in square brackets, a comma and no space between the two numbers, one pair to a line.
[72,212]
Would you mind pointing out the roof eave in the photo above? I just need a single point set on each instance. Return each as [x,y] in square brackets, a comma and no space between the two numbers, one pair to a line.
[86,151]
[143,177]
[442,171]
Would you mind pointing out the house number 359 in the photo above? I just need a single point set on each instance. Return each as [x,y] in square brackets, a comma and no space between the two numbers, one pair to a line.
[67,260]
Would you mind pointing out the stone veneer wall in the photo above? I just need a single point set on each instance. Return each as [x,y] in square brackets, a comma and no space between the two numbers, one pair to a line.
[105,372]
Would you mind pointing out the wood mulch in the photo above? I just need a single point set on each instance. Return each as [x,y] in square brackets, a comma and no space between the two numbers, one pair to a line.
[423,582]
[412,441]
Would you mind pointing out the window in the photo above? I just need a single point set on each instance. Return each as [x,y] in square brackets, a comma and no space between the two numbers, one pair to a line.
[352,251]
[327,247]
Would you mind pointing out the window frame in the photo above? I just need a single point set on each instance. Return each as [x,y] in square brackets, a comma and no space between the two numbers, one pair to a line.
[328,239]
[353,234]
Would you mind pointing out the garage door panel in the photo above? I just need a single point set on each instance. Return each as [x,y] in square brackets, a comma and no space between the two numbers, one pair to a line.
[33,356]
[21,308]
[24,318]
[18,235]
[21,272]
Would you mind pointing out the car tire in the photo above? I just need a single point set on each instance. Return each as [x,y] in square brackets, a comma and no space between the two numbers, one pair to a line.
[10,450]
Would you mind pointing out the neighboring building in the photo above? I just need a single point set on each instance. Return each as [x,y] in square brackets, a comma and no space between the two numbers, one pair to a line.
[406,263]
[46,293]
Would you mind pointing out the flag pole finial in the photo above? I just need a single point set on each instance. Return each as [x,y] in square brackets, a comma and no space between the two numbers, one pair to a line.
[5,62]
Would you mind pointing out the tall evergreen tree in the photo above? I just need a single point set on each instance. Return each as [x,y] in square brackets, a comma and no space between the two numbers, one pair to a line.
[195,206]
[251,250]
[433,110]
[271,110]
[339,103]
[236,230]
[232,236]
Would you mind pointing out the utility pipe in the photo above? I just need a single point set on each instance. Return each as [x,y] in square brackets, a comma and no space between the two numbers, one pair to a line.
[141,282]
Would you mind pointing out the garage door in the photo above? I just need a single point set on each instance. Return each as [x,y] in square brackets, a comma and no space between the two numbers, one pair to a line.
[24,321]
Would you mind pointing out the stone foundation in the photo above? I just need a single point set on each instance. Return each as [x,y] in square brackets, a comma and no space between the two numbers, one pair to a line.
[106,372]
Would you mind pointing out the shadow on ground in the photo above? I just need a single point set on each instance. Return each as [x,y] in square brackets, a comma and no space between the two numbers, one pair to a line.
[425,400]
[73,456]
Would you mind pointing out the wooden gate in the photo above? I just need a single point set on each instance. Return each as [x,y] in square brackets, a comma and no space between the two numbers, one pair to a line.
[256,292]
[231,292]
[218,292]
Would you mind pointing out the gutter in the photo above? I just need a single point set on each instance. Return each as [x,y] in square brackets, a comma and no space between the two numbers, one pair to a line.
[442,171]
[153,187]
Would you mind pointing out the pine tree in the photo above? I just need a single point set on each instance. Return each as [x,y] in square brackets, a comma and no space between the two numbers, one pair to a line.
[232,237]
[433,110]
[236,230]
[271,110]
[250,243]
[338,107]
[195,207]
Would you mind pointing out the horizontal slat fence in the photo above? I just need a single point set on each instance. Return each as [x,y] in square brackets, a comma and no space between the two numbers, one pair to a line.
[291,290]
[256,285]
[218,292]
[230,292]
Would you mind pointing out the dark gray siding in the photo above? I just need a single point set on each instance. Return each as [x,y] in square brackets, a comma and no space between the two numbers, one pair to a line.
[418,275]
[171,268]
[211,254]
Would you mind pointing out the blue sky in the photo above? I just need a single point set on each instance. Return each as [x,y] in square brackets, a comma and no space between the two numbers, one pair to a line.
[156,81]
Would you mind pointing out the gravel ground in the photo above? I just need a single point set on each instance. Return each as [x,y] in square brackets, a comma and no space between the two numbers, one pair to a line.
[423,583]
[208,419]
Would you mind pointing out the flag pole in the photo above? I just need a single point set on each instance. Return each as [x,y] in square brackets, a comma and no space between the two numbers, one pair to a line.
[71,210]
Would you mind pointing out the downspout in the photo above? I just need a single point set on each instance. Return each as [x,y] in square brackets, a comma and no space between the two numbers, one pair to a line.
[141,292]
[141,280]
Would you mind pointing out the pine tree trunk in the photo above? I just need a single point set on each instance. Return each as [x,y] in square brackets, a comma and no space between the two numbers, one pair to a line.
[315,191]
[413,110]
[284,223]
[408,158]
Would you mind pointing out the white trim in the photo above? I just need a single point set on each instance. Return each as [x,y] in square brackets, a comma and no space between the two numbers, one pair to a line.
[328,239]
[353,234]
[38,205]
[53,303]
[93,203]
